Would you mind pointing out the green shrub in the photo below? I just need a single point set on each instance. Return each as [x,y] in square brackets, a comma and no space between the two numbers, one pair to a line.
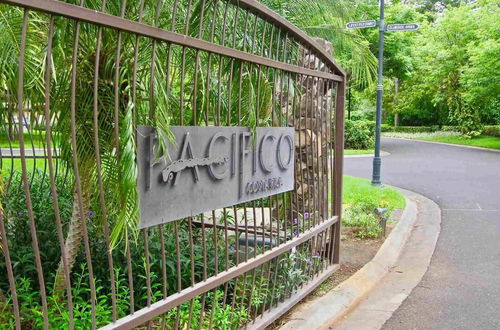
[362,217]
[386,128]
[359,134]
[410,129]
[491,130]
[447,128]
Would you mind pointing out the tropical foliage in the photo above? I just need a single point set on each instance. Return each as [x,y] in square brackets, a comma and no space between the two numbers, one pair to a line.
[445,73]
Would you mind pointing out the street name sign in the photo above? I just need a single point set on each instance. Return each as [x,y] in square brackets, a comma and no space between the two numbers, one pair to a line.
[211,167]
[361,24]
[402,27]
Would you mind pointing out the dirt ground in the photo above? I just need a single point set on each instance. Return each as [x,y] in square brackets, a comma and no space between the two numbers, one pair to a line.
[355,253]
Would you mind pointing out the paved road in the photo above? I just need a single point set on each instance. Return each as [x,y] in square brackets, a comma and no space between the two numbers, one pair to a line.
[461,289]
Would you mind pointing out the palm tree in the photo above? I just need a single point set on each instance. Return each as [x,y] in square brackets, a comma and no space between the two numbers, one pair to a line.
[149,92]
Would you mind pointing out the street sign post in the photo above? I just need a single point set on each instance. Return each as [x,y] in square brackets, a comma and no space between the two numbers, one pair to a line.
[377,161]
[361,24]
[402,27]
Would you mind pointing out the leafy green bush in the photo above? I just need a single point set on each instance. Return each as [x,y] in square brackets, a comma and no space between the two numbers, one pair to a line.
[22,256]
[282,275]
[359,134]
[362,216]
[385,128]
[491,130]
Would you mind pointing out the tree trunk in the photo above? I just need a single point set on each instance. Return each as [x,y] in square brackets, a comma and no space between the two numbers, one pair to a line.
[74,236]
[396,92]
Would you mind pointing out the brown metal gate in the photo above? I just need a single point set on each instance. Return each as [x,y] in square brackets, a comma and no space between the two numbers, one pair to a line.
[76,79]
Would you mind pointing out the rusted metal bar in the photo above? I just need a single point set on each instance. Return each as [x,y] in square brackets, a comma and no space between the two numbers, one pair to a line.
[338,163]
[29,205]
[52,175]
[137,28]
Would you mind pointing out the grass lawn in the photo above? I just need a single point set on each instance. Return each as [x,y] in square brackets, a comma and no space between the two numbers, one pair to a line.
[37,164]
[491,142]
[359,189]
[36,139]
[358,152]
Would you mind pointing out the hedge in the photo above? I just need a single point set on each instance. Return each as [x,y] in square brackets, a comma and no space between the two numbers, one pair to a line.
[410,129]
[489,130]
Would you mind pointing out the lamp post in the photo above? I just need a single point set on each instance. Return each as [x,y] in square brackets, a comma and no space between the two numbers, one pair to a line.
[377,161]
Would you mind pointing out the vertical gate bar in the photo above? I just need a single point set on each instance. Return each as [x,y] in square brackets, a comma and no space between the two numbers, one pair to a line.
[116,130]
[275,122]
[20,106]
[130,279]
[216,245]
[32,145]
[209,65]
[169,58]
[216,261]
[314,139]
[134,67]
[339,157]
[151,115]
[303,100]
[306,200]
[273,104]
[10,273]
[319,148]
[10,107]
[77,173]
[204,276]
[148,270]
[134,120]
[332,171]
[98,164]
[183,65]
[220,65]
[197,67]
[231,70]
[294,198]
[40,137]
[319,141]
[191,252]
[178,260]
[163,271]
[53,189]
[306,196]
[181,93]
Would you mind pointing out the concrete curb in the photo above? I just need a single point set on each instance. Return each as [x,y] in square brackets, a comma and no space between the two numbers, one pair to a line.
[333,306]
[382,153]
[378,306]
[444,143]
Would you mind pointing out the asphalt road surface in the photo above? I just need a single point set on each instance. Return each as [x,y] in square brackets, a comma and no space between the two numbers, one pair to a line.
[461,289]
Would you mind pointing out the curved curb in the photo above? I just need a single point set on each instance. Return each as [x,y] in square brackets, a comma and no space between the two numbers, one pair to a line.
[343,299]
[443,143]
[382,153]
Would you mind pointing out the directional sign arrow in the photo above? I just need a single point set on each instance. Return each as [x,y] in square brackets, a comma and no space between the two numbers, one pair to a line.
[361,24]
[402,27]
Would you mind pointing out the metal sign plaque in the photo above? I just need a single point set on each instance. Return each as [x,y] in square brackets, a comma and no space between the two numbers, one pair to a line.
[361,24]
[402,27]
[211,167]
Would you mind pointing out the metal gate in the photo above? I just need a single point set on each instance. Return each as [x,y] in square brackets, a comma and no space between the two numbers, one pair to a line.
[76,80]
